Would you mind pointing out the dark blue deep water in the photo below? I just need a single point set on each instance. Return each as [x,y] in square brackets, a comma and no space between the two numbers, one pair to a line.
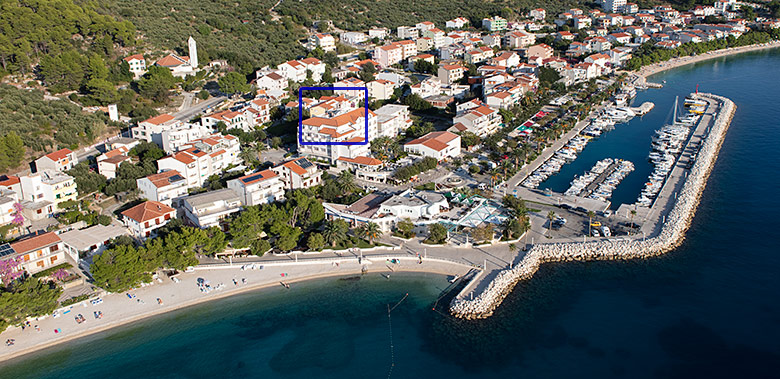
[709,309]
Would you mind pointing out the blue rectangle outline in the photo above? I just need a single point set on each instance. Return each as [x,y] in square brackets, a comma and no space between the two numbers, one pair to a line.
[300,115]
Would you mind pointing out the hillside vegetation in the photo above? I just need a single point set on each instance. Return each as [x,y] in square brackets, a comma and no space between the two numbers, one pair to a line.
[240,31]
[33,29]
[44,124]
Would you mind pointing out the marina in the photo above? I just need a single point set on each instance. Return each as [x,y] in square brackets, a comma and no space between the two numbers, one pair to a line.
[663,227]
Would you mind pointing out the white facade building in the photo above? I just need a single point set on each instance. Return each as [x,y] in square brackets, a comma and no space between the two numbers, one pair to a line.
[258,188]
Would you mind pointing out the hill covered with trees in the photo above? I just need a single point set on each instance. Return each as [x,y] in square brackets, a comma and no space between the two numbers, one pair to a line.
[33,29]
[239,31]
[44,124]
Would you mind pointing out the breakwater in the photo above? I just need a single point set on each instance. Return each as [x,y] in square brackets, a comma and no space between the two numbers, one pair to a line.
[671,233]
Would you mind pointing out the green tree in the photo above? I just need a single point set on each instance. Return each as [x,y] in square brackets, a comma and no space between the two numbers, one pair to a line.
[335,231]
[25,298]
[369,231]
[121,267]
[233,83]
[87,181]
[591,214]
[101,91]
[405,227]
[203,94]
[437,234]
[156,84]
[550,219]
[315,242]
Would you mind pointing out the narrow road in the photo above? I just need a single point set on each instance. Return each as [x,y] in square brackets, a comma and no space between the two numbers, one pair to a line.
[189,113]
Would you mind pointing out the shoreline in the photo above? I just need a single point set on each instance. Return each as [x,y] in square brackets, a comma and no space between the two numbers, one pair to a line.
[264,278]
[659,67]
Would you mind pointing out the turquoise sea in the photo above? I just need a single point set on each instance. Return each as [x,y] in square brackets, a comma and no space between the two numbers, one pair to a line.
[709,309]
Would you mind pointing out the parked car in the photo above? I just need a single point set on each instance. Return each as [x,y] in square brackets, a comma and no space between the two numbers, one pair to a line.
[595,233]
[605,231]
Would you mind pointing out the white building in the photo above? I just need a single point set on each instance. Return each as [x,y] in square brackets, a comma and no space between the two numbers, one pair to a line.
[408,32]
[380,89]
[258,188]
[270,81]
[86,242]
[353,38]
[202,158]
[297,71]
[415,205]
[298,173]
[457,23]
[613,6]
[163,186]
[392,119]
[168,133]
[137,64]
[208,209]
[326,42]
[144,218]
[480,120]
[348,127]
[351,82]
[60,160]
[231,119]
[438,145]
[538,14]
[38,253]
[49,187]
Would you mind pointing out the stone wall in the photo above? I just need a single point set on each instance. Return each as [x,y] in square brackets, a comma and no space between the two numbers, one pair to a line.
[669,237]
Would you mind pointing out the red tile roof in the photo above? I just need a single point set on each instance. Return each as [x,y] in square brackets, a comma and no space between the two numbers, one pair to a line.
[162,179]
[59,154]
[361,160]
[161,119]
[172,60]
[35,243]
[435,140]
[134,56]
[148,210]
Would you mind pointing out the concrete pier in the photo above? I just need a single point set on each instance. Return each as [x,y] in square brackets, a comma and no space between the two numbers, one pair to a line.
[663,230]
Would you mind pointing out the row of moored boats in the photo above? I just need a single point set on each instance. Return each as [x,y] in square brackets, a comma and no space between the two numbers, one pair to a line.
[667,144]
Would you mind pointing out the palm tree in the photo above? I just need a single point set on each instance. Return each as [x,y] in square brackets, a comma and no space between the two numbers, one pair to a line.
[551,217]
[633,213]
[591,214]
[369,231]
[335,231]
[512,248]
[346,181]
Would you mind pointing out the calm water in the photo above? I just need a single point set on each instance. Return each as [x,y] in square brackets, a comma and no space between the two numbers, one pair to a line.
[708,309]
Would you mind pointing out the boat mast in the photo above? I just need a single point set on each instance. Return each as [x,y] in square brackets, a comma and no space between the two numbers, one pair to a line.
[674,120]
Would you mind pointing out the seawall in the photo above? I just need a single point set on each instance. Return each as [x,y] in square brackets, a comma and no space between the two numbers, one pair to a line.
[670,235]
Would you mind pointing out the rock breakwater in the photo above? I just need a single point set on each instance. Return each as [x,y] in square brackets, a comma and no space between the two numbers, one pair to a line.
[671,233]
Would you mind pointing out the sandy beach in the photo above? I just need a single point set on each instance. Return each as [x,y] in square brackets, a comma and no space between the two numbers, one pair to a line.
[122,308]
[682,61]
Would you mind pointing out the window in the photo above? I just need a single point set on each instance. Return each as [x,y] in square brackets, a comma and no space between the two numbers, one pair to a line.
[146,224]
[27,257]
[53,259]
[148,233]
[39,211]
[40,263]
[157,221]
[168,216]
[54,248]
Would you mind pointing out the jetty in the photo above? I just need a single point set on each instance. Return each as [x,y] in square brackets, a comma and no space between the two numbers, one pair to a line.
[643,109]
[663,229]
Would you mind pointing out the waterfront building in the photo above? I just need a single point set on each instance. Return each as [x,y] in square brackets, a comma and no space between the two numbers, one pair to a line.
[208,209]
[38,252]
[258,188]
[143,219]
